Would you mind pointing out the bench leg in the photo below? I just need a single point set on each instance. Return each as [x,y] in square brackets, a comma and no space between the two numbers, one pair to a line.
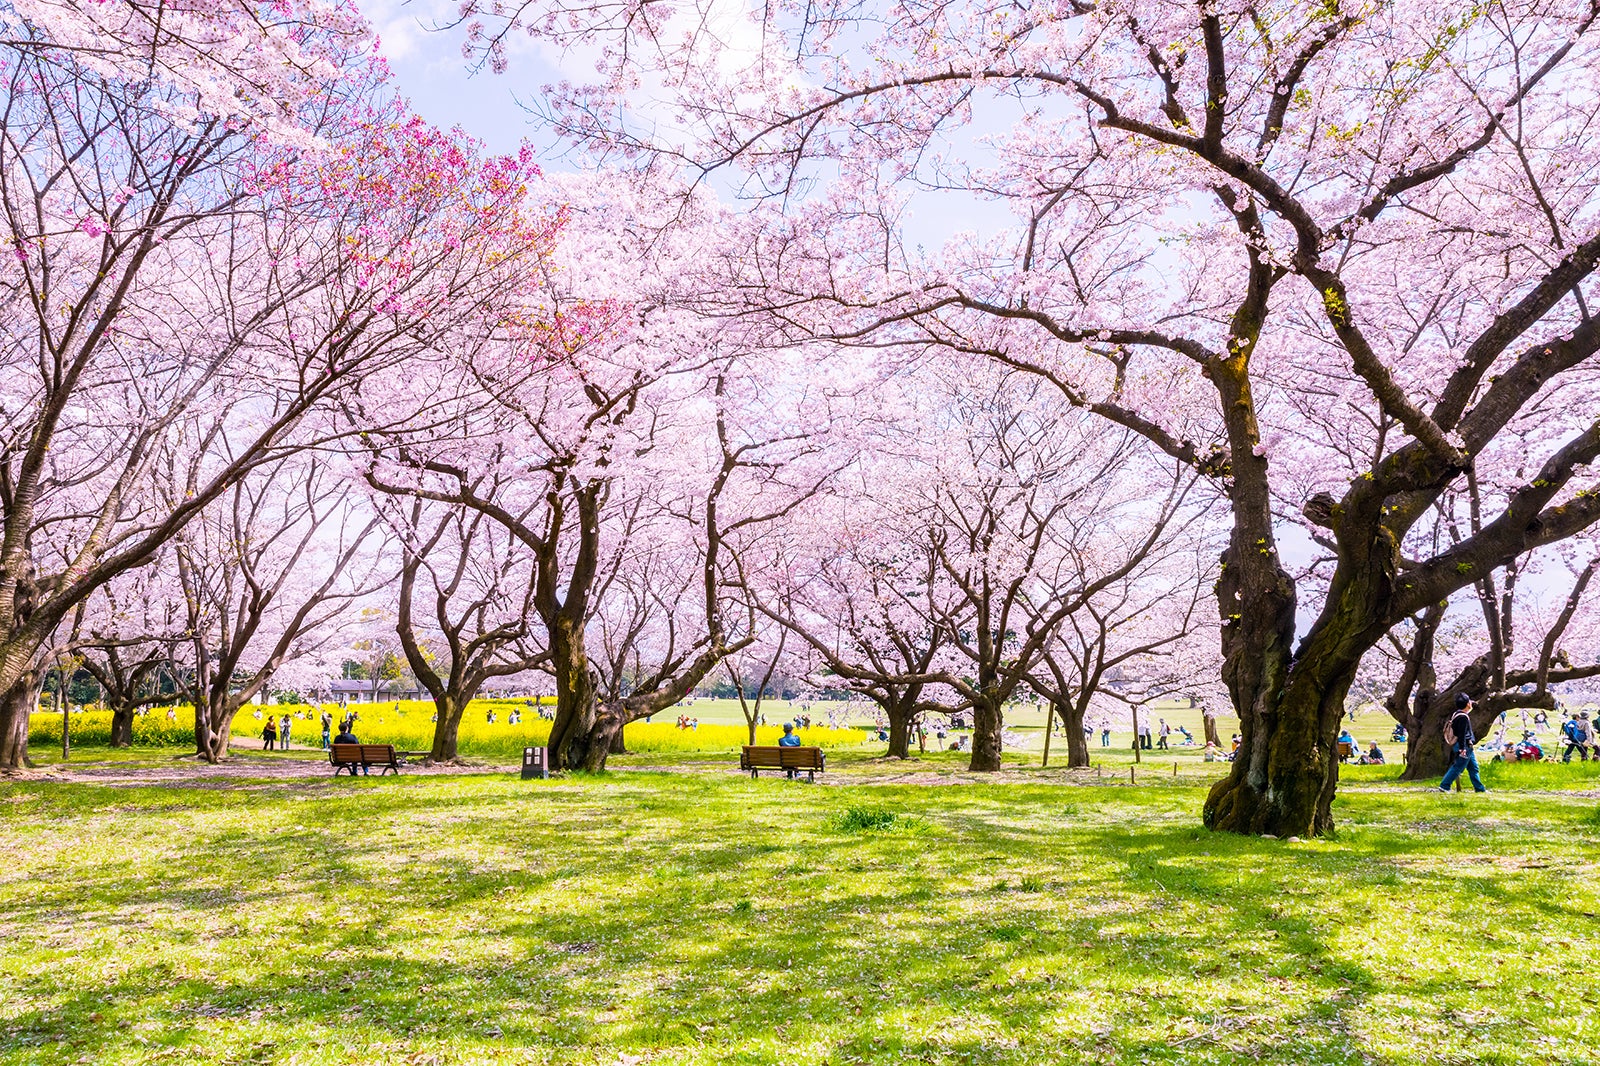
[811,775]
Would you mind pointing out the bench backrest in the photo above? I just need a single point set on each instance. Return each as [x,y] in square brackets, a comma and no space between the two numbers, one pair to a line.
[780,758]
[757,757]
[802,758]
[1345,749]
[343,754]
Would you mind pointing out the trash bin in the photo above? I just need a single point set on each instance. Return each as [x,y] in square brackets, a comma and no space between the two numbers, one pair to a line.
[535,763]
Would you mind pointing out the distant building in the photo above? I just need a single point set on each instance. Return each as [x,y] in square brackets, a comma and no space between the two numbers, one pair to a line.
[357,691]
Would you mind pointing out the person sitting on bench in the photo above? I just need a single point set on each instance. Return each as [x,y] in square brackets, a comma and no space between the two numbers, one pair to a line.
[789,740]
[347,737]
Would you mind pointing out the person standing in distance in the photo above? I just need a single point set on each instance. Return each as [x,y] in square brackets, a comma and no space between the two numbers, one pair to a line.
[1458,738]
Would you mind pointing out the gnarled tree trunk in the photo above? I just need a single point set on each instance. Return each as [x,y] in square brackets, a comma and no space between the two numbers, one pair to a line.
[899,730]
[16,707]
[987,722]
[1072,713]
[578,738]
[213,728]
[122,724]
[449,708]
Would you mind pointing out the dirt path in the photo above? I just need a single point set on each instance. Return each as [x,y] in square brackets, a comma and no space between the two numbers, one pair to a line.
[247,769]
[187,770]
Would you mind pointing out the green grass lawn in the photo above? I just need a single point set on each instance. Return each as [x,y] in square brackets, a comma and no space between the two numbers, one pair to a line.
[647,917]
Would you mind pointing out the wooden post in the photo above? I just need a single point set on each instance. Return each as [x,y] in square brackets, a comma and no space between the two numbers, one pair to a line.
[66,719]
[1130,776]
[1049,727]
[1137,756]
[1174,769]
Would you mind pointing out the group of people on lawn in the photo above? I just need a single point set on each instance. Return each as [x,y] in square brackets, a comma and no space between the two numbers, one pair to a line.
[1142,739]
[278,732]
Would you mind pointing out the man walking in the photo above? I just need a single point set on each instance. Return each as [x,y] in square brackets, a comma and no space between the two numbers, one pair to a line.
[1576,730]
[1460,741]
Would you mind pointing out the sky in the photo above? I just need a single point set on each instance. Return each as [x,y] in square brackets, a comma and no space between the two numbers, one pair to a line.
[443,88]
[432,73]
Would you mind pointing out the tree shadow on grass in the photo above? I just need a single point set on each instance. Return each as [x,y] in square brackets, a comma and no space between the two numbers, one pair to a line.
[607,919]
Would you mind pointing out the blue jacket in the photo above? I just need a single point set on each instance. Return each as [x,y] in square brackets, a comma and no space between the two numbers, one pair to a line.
[788,740]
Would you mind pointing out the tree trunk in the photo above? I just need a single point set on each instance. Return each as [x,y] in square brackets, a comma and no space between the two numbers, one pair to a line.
[619,744]
[602,737]
[446,728]
[1279,782]
[579,738]
[1426,755]
[122,724]
[213,729]
[987,721]
[1077,746]
[16,708]
[1210,721]
[899,732]
[1425,752]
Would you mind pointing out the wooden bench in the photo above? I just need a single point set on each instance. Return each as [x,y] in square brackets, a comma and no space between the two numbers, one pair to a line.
[350,756]
[790,760]
[1346,749]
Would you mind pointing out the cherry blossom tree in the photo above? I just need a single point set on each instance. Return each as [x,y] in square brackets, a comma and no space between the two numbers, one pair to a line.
[1223,213]
[1031,520]
[1140,640]
[1510,642]
[465,610]
[981,526]
[130,635]
[631,425]
[267,574]
[177,266]
[862,597]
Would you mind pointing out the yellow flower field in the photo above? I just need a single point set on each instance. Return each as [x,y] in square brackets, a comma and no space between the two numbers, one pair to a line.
[408,725]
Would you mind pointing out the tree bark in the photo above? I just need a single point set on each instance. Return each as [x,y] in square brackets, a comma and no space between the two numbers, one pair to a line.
[987,721]
[16,708]
[578,740]
[1280,782]
[1210,722]
[1426,756]
[1072,713]
[449,711]
[122,725]
[213,728]
[899,732]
